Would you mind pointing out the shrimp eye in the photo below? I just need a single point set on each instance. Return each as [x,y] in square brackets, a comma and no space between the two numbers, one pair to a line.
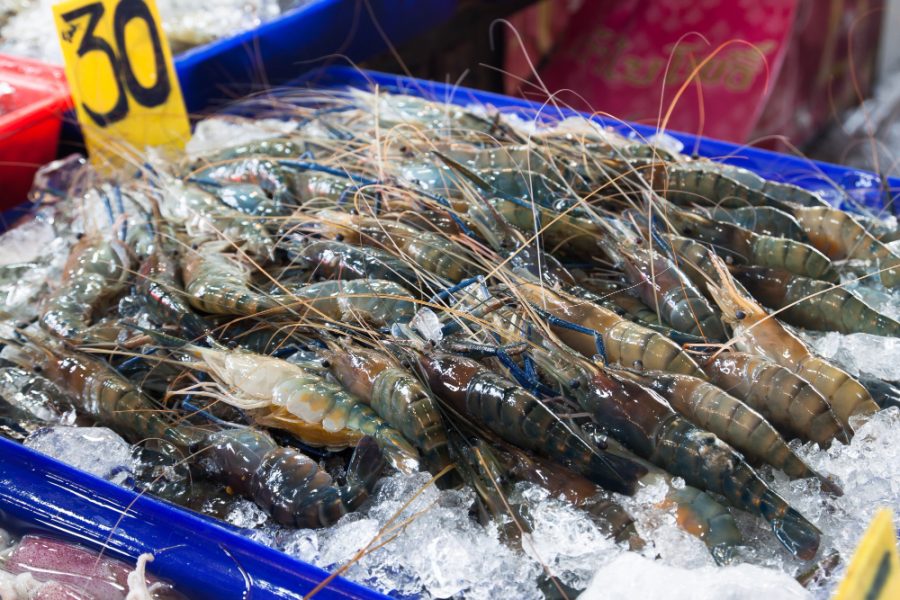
[405,364]
[326,364]
[37,368]
[79,235]
[740,315]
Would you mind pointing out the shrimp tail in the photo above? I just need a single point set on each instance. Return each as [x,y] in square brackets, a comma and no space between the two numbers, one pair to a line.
[615,473]
[829,486]
[164,339]
[366,463]
[797,534]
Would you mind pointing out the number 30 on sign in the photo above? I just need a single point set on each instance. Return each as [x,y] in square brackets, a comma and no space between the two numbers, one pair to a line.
[119,68]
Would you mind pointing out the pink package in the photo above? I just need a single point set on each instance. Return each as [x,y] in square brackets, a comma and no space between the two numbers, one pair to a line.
[47,559]
[629,58]
[54,590]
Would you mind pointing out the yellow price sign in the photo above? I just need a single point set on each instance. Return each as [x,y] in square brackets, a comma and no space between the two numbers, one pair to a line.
[123,81]
[874,571]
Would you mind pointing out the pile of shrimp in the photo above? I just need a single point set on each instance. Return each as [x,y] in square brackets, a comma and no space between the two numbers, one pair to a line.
[390,284]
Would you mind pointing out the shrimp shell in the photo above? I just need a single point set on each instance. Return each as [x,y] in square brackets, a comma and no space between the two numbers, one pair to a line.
[786,400]
[814,304]
[287,484]
[758,333]
[735,423]
[626,343]
[97,269]
[397,397]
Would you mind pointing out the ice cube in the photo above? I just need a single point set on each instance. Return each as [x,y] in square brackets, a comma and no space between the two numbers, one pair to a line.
[633,576]
[215,133]
[245,514]
[96,450]
[426,322]
[26,243]
[300,543]
[859,353]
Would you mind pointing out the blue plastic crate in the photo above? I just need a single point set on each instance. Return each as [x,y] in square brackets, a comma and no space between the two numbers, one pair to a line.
[205,559]
[210,560]
[332,31]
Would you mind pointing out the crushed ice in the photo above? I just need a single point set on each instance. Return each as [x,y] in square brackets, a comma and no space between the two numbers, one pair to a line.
[443,552]
[215,133]
[630,575]
[96,450]
[435,548]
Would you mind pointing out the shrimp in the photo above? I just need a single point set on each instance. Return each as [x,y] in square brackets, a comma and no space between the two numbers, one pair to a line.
[729,186]
[96,271]
[661,284]
[647,425]
[395,109]
[814,304]
[429,251]
[617,299]
[253,381]
[626,343]
[217,283]
[747,247]
[515,415]
[205,218]
[337,260]
[311,434]
[839,235]
[758,333]
[379,380]
[607,514]
[287,484]
[732,421]
[280,147]
[282,481]
[369,300]
[885,393]
[256,186]
[480,469]
[764,220]
[613,296]
[786,400]
[99,392]
[157,283]
[564,233]
[693,258]
[696,512]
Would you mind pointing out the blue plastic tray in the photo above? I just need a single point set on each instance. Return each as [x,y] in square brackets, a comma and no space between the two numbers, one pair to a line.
[208,560]
[845,187]
[299,40]
[204,559]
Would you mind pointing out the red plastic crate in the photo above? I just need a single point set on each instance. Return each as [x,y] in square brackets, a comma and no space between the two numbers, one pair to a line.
[30,119]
